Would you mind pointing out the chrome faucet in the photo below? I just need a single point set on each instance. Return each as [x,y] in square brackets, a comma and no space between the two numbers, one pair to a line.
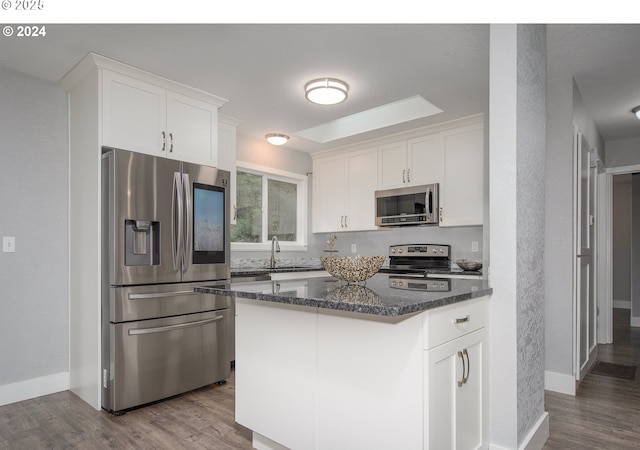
[275,247]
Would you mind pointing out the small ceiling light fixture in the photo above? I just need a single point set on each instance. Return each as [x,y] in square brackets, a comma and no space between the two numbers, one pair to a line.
[276,138]
[636,111]
[326,91]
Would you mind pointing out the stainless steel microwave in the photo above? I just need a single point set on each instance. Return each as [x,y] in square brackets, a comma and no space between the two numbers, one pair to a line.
[415,205]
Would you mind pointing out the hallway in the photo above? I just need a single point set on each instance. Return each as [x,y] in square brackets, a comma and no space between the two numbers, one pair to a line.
[605,413]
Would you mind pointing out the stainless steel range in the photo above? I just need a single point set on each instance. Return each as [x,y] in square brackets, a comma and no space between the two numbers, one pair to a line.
[416,258]
[411,262]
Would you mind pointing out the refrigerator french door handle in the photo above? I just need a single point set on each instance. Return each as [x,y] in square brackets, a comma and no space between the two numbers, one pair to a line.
[188,241]
[176,222]
[179,326]
[160,294]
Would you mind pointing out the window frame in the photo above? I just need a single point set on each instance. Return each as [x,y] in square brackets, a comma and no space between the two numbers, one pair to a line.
[301,181]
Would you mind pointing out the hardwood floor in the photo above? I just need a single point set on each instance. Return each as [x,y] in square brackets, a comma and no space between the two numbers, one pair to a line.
[604,415]
[201,419]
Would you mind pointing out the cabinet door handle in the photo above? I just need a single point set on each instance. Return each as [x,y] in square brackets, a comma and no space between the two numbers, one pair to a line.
[171,139]
[441,214]
[164,140]
[464,367]
[341,221]
[235,212]
[408,175]
[466,353]
[403,172]
[346,225]
[464,319]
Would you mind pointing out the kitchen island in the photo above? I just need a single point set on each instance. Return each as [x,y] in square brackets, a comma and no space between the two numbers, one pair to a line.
[325,365]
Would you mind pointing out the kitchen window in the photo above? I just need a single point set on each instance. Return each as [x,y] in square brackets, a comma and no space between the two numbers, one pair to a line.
[269,203]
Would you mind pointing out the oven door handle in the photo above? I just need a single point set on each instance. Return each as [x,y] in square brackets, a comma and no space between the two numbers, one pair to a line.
[136,331]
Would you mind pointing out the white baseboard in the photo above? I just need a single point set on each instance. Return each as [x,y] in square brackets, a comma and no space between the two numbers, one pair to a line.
[36,387]
[559,382]
[535,438]
[622,304]
[537,435]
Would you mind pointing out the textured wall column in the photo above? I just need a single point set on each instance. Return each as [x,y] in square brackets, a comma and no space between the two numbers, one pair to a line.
[517,152]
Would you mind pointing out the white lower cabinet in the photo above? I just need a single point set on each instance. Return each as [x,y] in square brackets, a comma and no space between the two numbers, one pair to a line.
[275,373]
[456,377]
[317,379]
[454,396]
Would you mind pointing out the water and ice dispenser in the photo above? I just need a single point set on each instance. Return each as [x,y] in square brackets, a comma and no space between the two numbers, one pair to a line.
[142,243]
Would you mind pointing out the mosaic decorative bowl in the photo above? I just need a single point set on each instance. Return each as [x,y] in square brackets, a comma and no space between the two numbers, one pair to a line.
[354,269]
[352,293]
[465,264]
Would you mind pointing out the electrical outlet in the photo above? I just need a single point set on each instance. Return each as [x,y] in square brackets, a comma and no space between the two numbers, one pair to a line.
[353,248]
[474,246]
[8,244]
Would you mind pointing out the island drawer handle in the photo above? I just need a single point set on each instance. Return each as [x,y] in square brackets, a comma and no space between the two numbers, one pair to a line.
[464,319]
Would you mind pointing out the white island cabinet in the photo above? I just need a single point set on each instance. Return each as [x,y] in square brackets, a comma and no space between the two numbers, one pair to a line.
[316,378]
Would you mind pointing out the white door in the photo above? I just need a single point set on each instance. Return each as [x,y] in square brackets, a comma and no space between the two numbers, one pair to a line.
[585,307]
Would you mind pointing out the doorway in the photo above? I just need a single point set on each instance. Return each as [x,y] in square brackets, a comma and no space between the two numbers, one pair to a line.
[613,277]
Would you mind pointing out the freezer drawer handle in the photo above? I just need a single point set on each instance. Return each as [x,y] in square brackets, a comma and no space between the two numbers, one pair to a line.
[174,327]
[160,294]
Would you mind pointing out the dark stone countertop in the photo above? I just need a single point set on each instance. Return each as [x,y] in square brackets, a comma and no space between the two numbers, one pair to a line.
[253,271]
[376,297]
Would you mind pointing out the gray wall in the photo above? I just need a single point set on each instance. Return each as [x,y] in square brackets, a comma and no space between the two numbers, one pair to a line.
[565,107]
[625,152]
[33,196]
[532,42]
[559,228]
[635,250]
[621,240]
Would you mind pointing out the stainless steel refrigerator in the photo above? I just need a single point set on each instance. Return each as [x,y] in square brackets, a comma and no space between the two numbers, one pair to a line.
[165,229]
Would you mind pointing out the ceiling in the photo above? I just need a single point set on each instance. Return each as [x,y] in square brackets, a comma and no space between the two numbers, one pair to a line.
[261,69]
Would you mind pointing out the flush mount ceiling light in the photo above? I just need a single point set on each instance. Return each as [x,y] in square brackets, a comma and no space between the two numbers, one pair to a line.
[636,111]
[276,138]
[326,91]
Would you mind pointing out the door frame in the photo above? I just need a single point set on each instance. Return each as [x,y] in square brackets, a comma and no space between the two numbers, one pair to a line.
[605,262]
[593,163]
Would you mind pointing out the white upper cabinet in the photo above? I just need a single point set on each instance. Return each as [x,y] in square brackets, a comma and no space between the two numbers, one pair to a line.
[462,187]
[343,191]
[192,128]
[392,165]
[146,118]
[145,113]
[426,160]
[411,162]
[450,154]
[134,114]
